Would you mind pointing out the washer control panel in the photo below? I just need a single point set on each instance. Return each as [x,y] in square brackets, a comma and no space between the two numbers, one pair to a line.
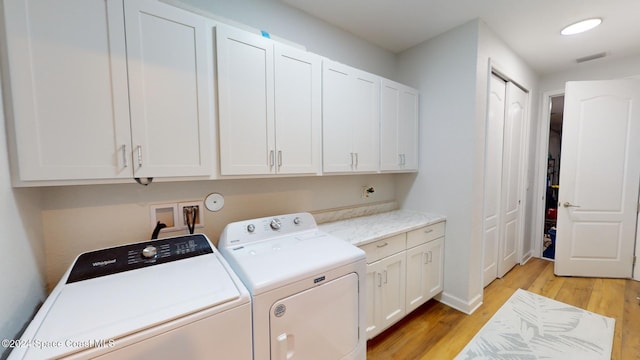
[119,259]
[243,232]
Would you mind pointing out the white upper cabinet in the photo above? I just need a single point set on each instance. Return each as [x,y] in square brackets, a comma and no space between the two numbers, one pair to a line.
[169,53]
[269,106]
[69,96]
[350,119]
[398,127]
[71,93]
[298,86]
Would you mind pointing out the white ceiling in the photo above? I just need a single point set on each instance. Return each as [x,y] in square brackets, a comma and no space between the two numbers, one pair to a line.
[530,27]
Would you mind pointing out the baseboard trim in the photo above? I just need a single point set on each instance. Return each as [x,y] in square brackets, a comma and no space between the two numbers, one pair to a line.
[467,307]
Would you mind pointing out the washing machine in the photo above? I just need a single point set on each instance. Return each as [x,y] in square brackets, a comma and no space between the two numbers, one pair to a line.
[173,298]
[307,287]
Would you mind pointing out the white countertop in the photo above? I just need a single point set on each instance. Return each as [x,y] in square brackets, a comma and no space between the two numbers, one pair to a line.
[365,229]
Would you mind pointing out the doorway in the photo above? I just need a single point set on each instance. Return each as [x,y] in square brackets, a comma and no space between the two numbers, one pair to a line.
[554,147]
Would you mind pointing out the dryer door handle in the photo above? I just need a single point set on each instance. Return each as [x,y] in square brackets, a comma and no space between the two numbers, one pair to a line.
[285,346]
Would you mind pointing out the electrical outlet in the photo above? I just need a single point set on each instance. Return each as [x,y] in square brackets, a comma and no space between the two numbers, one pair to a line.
[182,213]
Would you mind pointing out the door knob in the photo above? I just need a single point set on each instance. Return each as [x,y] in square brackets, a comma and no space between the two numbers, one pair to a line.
[568,204]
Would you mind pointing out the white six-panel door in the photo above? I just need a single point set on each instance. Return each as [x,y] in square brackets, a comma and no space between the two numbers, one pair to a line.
[598,199]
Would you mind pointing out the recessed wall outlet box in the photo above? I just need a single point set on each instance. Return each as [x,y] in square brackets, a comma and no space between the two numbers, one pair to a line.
[166,214]
[367,191]
[183,213]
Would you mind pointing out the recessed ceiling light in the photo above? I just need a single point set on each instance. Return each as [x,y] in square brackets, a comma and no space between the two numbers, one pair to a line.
[581,26]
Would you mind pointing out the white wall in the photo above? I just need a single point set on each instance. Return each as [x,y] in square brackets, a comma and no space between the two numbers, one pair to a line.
[600,69]
[444,70]
[21,249]
[294,25]
[84,218]
[451,72]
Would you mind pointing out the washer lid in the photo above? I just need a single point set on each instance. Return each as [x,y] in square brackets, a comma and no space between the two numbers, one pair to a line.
[109,307]
[274,262]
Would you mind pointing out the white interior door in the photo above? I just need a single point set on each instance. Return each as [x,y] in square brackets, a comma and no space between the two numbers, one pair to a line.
[598,197]
[512,179]
[493,178]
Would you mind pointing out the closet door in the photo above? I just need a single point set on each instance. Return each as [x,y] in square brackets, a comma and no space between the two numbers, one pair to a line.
[512,179]
[504,177]
[493,177]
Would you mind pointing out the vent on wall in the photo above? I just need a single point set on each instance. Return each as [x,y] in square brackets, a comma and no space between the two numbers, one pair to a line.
[591,57]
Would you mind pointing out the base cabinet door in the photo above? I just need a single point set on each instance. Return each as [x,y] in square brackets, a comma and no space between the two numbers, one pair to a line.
[424,273]
[435,267]
[385,293]
[417,276]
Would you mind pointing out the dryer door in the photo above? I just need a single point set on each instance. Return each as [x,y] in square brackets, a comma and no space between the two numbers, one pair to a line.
[318,323]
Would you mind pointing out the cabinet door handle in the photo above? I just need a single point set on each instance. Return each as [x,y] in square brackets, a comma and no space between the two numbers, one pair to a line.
[124,155]
[139,149]
[279,158]
[386,277]
[356,160]
[351,154]
[379,280]
[382,245]
[404,160]
[430,256]
[426,257]
[271,158]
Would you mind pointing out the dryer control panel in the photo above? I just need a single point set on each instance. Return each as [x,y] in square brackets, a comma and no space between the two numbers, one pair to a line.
[119,259]
[254,230]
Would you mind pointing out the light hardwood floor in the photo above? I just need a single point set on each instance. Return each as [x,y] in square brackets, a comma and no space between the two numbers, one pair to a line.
[435,331]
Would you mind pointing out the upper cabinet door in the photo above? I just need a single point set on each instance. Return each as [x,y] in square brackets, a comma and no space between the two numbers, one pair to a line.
[245,90]
[170,60]
[337,149]
[398,127]
[366,121]
[350,119]
[297,111]
[68,81]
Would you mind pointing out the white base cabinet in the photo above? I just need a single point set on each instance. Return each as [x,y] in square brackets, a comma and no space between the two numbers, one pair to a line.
[425,261]
[386,271]
[403,272]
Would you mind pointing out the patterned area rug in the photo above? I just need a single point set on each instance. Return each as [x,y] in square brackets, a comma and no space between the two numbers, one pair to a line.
[530,326]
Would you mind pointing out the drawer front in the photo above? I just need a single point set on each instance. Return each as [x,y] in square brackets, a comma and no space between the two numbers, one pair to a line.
[385,247]
[425,234]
